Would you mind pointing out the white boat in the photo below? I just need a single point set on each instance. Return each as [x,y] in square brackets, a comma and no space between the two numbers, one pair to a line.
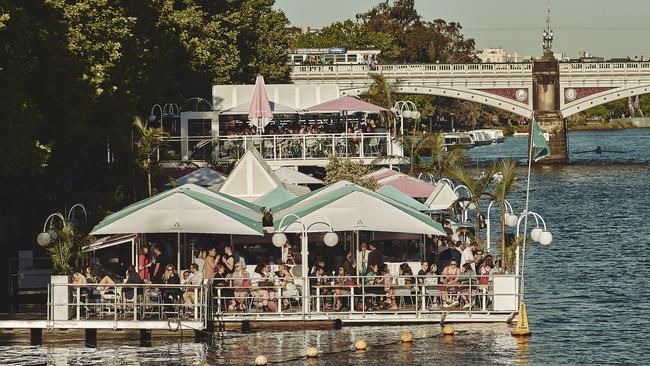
[458,139]
[519,134]
[494,135]
[479,138]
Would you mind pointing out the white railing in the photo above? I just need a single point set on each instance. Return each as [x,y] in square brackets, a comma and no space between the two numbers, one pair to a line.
[360,296]
[313,70]
[126,302]
[306,146]
[589,67]
[427,69]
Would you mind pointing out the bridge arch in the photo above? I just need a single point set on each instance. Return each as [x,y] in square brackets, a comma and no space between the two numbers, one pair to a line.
[472,95]
[597,99]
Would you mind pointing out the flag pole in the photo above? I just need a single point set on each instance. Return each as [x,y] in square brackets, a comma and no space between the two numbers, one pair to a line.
[522,329]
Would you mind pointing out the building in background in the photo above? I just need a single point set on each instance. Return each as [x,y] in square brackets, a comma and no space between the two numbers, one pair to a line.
[499,55]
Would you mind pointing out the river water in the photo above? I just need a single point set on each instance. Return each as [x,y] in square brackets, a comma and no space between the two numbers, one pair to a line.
[587,293]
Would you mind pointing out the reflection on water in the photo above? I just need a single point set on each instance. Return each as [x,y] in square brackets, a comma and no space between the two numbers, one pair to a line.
[587,293]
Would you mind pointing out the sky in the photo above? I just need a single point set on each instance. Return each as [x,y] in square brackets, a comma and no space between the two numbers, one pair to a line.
[602,27]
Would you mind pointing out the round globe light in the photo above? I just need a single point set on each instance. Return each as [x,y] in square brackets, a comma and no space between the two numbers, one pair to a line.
[331,239]
[415,114]
[279,239]
[534,234]
[545,238]
[406,114]
[511,220]
[44,239]
[152,118]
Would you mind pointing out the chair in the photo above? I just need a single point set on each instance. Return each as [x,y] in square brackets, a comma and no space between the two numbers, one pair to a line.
[373,147]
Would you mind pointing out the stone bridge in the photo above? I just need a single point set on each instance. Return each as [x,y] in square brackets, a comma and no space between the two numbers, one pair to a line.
[547,89]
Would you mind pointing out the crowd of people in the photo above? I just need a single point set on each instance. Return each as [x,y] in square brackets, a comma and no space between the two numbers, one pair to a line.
[444,276]
[371,125]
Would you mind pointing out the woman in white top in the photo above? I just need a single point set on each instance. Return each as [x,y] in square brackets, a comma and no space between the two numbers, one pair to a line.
[200,259]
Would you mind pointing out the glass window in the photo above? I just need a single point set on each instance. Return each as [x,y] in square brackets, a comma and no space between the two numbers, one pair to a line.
[352,58]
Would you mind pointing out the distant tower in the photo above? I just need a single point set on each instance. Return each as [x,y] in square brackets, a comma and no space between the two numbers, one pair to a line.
[547,34]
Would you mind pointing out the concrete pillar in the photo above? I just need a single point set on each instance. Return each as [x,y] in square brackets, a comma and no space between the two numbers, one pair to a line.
[91,338]
[546,105]
[36,336]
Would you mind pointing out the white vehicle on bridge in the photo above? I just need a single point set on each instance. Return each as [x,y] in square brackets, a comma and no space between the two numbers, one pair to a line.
[332,56]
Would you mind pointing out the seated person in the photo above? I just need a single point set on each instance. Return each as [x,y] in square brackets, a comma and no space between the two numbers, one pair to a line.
[241,280]
[222,279]
[169,277]
[132,277]
[195,277]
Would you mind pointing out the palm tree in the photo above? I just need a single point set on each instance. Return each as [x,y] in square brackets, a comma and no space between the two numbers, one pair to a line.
[381,91]
[478,187]
[149,140]
[443,158]
[506,184]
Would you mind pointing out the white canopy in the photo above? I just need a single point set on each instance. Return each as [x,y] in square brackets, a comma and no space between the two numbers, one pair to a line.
[351,208]
[292,176]
[442,197]
[186,209]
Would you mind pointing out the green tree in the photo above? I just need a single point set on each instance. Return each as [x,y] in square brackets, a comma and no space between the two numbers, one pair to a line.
[148,141]
[345,169]
[444,159]
[504,186]
[350,35]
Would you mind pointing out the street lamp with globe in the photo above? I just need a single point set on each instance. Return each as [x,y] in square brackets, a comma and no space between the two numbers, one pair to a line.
[279,239]
[405,109]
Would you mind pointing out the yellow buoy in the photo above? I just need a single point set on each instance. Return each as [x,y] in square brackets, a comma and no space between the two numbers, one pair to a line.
[448,330]
[360,345]
[521,330]
[406,337]
[312,352]
[261,361]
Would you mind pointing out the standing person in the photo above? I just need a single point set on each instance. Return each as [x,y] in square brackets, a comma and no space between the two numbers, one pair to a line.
[228,260]
[423,271]
[375,257]
[159,266]
[349,264]
[200,259]
[362,258]
[467,257]
[210,267]
[144,263]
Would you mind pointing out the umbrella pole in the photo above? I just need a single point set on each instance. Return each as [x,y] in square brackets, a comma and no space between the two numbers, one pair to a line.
[306,291]
[178,252]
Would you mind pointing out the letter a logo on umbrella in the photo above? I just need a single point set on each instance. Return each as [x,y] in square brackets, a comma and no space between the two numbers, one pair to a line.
[177,226]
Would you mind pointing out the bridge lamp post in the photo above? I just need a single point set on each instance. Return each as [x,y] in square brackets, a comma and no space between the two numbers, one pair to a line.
[467,203]
[405,109]
[279,239]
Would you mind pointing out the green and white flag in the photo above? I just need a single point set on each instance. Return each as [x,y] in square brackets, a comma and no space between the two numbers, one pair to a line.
[539,143]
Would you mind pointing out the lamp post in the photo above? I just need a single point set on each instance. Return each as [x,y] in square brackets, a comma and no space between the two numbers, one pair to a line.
[510,217]
[72,219]
[468,205]
[405,109]
[279,239]
[198,101]
[543,236]
[49,235]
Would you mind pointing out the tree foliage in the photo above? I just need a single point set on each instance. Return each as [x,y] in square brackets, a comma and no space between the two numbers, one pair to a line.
[345,169]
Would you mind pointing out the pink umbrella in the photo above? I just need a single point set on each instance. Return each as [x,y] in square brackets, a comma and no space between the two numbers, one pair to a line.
[260,112]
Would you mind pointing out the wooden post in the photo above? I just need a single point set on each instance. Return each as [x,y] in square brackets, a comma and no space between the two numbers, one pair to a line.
[36,336]
[145,338]
[91,338]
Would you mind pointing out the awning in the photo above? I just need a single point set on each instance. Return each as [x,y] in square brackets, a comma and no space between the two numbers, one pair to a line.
[204,177]
[108,241]
[412,187]
[243,109]
[186,209]
[442,197]
[346,104]
[350,207]
[275,197]
[292,176]
[400,197]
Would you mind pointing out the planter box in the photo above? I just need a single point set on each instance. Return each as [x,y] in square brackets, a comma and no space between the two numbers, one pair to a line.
[60,295]
[505,289]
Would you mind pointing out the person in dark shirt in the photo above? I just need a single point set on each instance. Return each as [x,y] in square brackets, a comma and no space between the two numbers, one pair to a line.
[375,257]
[171,295]
[133,279]
[423,272]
